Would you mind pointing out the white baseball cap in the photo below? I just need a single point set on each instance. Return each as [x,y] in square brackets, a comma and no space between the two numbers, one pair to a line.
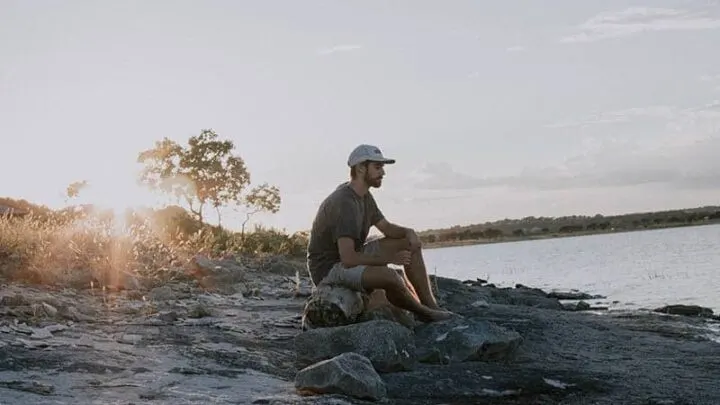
[367,153]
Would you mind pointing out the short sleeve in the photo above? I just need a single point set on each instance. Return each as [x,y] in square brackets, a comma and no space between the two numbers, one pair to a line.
[374,213]
[346,220]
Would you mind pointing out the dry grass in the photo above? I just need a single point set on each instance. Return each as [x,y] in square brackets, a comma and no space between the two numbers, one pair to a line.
[101,250]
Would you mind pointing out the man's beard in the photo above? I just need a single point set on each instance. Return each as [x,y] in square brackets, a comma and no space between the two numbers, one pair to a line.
[373,182]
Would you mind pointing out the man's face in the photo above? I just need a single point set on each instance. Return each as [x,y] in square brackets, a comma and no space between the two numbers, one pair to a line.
[374,174]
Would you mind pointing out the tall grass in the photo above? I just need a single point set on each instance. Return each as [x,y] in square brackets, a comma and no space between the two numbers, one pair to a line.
[99,248]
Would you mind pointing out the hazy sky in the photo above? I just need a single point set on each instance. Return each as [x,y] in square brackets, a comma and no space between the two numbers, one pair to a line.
[492,109]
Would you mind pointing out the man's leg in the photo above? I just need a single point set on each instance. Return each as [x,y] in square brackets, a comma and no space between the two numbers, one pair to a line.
[416,272]
[398,293]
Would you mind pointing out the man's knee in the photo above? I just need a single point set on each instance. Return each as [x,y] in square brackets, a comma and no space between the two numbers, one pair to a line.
[382,277]
[397,244]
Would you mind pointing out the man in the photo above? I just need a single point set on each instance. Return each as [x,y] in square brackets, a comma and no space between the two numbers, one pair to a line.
[339,253]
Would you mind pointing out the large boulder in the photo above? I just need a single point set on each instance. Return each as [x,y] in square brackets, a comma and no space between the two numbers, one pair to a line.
[458,340]
[338,306]
[349,374]
[332,306]
[388,345]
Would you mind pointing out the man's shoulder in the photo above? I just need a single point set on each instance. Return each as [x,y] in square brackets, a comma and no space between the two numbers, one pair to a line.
[340,193]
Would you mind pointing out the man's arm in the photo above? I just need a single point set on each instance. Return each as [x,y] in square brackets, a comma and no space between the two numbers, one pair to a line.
[397,232]
[392,230]
[350,258]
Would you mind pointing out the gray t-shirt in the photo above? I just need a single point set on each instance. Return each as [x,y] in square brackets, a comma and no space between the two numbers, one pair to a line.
[342,213]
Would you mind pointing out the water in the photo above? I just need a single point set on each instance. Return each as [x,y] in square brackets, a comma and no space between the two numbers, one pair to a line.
[643,269]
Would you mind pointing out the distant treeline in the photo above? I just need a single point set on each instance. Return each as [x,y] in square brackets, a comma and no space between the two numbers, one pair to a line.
[539,226]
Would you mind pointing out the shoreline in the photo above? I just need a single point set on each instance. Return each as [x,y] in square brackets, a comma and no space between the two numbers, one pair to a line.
[184,343]
[530,238]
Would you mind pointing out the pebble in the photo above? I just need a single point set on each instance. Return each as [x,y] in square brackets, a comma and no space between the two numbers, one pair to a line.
[130,339]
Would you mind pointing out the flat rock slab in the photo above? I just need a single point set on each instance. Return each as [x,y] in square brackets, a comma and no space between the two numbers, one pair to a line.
[458,340]
[348,374]
[506,384]
[389,346]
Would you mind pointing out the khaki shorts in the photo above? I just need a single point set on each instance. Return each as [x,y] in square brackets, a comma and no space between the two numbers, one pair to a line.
[351,277]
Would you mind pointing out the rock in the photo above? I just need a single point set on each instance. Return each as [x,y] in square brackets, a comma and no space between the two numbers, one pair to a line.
[480,304]
[477,282]
[378,307]
[686,310]
[348,373]
[492,383]
[217,275]
[16,300]
[41,333]
[73,314]
[49,310]
[130,339]
[388,345]
[459,340]
[531,297]
[332,306]
[168,316]
[29,386]
[164,293]
[199,311]
[455,294]
[282,266]
[531,290]
[573,295]
[55,327]
[578,306]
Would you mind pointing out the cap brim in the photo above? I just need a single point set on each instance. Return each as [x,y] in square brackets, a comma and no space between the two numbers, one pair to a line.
[386,161]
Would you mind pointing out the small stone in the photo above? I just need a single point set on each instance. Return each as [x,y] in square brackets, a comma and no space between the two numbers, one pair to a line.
[41,333]
[480,304]
[30,344]
[130,339]
[50,310]
[164,293]
[199,311]
[56,327]
[168,316]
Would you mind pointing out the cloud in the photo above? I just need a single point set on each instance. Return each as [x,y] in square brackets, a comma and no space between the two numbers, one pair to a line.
[682,154]
[516,48]
[339,48]
[673,116]
[441,175]
[692,165]
[712,80]
[636,20]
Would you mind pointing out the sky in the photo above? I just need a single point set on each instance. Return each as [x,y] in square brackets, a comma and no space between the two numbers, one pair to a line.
[492,109]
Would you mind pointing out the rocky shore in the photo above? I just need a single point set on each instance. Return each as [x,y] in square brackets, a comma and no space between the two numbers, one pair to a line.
[233,332]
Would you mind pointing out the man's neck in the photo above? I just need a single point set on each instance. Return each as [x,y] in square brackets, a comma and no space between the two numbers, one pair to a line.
[359,187]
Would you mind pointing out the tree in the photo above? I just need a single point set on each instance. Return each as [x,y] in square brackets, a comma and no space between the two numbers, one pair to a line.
[204,173]
[261,198]
[73,189]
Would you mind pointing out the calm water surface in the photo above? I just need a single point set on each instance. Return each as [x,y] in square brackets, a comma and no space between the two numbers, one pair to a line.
[642,269]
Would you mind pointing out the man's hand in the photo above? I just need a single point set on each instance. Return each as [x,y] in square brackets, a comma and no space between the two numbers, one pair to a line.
[413,239]
[401,258]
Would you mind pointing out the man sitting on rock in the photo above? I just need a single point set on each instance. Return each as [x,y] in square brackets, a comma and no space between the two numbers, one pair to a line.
[339,253]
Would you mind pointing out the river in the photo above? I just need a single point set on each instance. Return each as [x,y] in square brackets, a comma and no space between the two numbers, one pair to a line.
[641,269]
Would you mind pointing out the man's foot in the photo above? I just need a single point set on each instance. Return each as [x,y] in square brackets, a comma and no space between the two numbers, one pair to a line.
[434,315]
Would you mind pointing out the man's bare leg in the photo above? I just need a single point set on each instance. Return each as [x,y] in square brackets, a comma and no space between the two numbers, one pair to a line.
[416,272]
[381,277]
